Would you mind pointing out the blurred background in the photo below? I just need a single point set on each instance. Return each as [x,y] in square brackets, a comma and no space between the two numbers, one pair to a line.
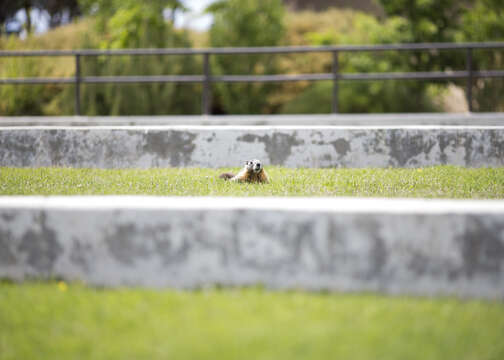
[116,24]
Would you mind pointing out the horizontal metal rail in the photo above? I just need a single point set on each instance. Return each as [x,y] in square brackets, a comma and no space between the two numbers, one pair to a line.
[37,80]
[257,50]
[206,78]
[143,79]
[435,75]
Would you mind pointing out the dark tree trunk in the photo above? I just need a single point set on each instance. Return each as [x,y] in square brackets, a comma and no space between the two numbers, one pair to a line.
[27,8]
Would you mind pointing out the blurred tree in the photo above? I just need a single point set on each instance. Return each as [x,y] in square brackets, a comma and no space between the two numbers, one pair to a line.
[103,9]
[245,23]
[58,10]
[20,99]
[7,11]
[366,96]
[9,8]
[430,20]
[134,24]
[485,22]
[61,11]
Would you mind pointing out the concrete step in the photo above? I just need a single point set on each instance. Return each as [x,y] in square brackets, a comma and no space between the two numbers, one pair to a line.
[394,246]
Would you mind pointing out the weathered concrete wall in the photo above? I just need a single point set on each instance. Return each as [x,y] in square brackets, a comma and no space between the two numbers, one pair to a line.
[227,146]
[392,246]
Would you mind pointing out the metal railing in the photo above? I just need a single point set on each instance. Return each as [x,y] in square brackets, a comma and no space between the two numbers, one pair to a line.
[207,79]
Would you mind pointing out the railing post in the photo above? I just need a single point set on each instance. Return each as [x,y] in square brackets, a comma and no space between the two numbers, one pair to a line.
[206,95]
[335,71]
[469,66]
[77,84]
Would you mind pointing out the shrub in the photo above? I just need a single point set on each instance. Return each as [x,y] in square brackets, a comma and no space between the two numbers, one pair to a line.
[20,99]
[364,97]
[130,24]
[246,23]
[485,22]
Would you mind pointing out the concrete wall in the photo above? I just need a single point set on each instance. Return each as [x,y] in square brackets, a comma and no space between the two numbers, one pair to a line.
[422,247]
[229,146]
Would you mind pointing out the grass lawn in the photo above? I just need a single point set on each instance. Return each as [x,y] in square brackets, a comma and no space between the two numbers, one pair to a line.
[433,182]
[59,321]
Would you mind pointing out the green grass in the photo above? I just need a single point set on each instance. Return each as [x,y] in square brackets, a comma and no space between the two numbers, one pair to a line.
[437,182]
[47,321]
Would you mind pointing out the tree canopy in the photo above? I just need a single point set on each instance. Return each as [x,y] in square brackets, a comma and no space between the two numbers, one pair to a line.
[57,10]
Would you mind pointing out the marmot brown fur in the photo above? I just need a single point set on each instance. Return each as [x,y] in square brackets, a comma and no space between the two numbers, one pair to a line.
[252,172]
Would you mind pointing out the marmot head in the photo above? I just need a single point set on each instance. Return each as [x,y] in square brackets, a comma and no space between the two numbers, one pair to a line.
[254,165]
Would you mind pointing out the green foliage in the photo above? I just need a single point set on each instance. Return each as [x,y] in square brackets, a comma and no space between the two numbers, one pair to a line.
[366,97]
[485,22]
[429,20]
[110,25]
[362,97]
[454,20]
[115,24]
[435,182]
[59,321]
[20,99]
[133,24]
[245,23]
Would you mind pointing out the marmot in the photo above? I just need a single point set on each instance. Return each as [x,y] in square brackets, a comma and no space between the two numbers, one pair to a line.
[253,171]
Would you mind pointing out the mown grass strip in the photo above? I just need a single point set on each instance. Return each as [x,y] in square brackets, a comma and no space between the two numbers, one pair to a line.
[433,182]
[65,321]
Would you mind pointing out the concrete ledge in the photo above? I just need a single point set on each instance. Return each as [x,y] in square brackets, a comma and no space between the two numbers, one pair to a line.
[228,146]
[454,119]
[420,247]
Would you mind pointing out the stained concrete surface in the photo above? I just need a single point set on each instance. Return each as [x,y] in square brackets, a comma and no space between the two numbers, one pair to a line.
[394,246]
[227,146]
